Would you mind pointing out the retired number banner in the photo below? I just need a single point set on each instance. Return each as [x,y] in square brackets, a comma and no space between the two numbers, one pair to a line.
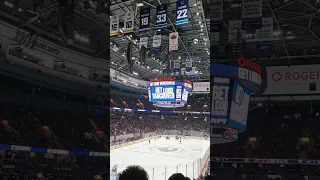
[114,25]
[144,20]
[182,13]
[161,17]
[128,22]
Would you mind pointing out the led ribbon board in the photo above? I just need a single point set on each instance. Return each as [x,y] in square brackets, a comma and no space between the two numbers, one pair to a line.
[231,87]
[169,93]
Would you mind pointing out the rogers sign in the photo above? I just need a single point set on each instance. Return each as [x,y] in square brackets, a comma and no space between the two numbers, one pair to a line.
[242,62]
[201,87]
[295,76]
[296,79]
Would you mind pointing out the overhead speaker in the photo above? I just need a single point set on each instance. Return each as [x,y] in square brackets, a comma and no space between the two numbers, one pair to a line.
[129,57]
[143,54]
[103,6]
[66,26]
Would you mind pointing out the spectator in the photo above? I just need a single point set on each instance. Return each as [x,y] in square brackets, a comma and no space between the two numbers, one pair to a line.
[134,173]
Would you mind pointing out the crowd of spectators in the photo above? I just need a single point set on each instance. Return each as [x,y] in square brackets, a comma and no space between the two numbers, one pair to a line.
[51,129]
[274,131]
[199,103]
[137,124]
[44,128]
[278,132]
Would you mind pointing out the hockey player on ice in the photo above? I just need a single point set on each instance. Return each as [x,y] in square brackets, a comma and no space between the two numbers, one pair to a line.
[180,141]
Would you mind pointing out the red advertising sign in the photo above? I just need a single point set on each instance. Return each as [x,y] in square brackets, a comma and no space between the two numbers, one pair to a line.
[244,63]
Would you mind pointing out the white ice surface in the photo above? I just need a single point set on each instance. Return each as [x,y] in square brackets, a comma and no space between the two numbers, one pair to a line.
[161,158]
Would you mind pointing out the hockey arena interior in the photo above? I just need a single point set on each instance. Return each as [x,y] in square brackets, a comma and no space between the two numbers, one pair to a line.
[53,100]
[155,121]
[265,88]
[259,60]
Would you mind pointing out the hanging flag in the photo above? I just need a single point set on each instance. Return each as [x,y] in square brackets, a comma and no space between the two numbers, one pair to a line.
[156,43]
[235,30]
[128,22]
[144,20]
[161,17]
[114,25]
[266,32]
[217,10]
[188,65]
[251,9]
[143,42]
[173,41]
[182,13]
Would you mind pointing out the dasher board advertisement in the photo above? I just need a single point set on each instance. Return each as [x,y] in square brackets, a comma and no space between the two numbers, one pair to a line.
[299,79]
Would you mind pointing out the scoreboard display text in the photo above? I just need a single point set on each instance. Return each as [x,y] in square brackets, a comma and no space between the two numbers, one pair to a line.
[163,93]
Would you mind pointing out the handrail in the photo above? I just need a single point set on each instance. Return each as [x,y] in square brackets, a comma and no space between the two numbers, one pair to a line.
[8,147]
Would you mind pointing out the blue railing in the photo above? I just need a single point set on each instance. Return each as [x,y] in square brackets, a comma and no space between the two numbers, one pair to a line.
[157,111]
[51,151]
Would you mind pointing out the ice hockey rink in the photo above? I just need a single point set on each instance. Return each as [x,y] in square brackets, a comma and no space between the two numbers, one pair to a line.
[161,158]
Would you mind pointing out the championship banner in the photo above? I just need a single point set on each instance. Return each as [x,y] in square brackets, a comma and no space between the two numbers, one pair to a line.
[201,87]
[144,20]
[266,32]
[143,42]
[239,107]
[156,43]
[235,30]
[173,41]
[188,64]
[161,17]
[217,10]
[251,9]
[220,101]
[128,22]
[182,13]
[114,25]
[176,65]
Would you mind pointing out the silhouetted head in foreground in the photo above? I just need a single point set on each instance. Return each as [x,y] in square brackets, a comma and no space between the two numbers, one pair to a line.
[133,173]
[178,176]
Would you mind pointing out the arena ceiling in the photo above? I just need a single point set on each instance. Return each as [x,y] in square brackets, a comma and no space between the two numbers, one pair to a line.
[296,35]
[157,62]
[88,27]
[296,31]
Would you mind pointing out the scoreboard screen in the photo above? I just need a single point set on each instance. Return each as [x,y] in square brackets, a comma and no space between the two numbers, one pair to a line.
[168,93]
[185,95]
[163,93]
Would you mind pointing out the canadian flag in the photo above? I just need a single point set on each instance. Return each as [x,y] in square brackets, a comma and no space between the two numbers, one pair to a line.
[173,41]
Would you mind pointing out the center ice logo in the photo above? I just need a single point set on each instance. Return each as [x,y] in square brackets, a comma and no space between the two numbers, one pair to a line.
[168,149]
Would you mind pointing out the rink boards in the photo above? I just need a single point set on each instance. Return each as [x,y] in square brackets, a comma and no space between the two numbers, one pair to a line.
[147,139]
